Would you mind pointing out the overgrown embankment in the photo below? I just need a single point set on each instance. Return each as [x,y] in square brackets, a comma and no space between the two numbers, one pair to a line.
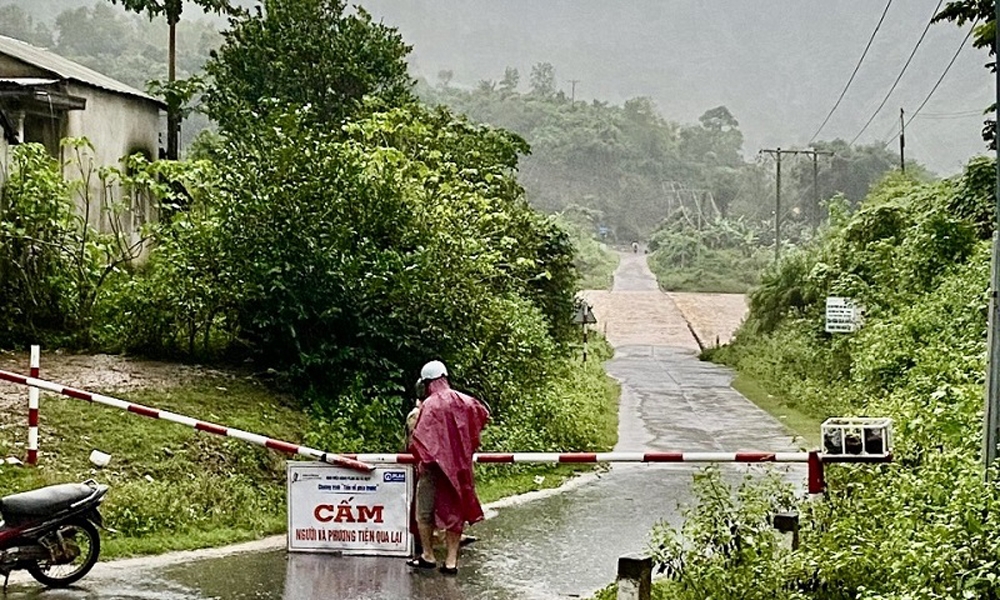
[917,256]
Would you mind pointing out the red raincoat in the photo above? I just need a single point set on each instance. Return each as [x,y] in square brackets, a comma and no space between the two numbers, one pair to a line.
[446,435]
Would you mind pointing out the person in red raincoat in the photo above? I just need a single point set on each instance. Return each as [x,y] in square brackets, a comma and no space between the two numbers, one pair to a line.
[444,439]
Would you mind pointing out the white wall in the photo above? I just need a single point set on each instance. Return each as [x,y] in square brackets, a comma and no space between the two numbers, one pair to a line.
[117,126]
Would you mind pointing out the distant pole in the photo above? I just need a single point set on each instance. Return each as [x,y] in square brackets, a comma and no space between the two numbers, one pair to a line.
[991,417]
[173,119]
[902,142]
[777,152]
[777,201]
[815,210]
[572,94]
[777,209]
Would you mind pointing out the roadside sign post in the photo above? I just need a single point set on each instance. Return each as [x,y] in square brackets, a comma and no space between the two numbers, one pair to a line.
[335,509]
[843,315]
[584,316]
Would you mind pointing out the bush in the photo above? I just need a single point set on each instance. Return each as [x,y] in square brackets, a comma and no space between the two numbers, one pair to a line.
[716,256]
[919,528]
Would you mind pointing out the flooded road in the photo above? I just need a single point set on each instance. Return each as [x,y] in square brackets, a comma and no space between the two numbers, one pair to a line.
[564,545]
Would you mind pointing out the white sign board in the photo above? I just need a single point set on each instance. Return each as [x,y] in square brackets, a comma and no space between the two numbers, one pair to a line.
[843,315]
[333,509]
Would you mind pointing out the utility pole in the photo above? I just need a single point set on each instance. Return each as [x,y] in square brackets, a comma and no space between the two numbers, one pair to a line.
[173,119]
[572,94]
[777,152]
[777,201]
[991,416]
[902,142]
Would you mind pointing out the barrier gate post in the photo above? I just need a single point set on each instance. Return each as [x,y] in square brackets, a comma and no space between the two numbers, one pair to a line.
[33,408]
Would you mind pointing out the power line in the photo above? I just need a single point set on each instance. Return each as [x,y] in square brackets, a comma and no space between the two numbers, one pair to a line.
[972,112]
[856,67]
[954,57]
[900,76]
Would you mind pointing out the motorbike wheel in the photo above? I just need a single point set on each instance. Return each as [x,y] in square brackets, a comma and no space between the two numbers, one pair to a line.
[86,537]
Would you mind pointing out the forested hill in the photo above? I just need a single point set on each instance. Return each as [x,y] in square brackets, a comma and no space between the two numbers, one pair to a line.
[625,169]
[778,65]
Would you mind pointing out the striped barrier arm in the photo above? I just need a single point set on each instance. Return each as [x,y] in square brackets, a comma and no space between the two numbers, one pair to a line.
[334,459]
[599,457]
[816,483]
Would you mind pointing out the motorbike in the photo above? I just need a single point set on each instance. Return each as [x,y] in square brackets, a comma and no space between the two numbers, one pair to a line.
[52,532]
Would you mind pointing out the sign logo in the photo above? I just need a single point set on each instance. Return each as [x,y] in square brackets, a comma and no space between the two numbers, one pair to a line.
[394,477]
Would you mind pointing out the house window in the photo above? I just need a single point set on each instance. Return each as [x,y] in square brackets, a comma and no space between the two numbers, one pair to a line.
[46,130]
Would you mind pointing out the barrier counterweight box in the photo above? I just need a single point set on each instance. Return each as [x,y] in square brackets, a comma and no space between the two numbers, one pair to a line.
[857,437]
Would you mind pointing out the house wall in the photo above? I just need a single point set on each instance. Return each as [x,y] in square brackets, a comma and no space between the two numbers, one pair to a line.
[117,126]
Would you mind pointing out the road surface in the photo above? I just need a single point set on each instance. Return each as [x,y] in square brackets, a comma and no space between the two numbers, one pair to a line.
[564,545]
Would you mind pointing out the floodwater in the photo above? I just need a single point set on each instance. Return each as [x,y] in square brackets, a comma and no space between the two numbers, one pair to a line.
[564,545]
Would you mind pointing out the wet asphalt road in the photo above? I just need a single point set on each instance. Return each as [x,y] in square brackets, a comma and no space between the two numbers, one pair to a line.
[562,546]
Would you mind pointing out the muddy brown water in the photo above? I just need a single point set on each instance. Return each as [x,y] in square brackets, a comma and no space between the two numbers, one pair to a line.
[561,545]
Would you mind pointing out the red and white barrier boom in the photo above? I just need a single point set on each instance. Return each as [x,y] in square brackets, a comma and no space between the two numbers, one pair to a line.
[35,383]
[814,459]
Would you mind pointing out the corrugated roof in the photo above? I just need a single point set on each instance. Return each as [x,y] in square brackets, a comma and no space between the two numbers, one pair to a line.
[67,69]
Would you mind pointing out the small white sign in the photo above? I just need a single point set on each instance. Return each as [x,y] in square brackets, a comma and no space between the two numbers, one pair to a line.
[843,315]
[334,509]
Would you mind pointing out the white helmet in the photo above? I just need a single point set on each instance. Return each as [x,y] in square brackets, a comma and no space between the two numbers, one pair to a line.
[433,370]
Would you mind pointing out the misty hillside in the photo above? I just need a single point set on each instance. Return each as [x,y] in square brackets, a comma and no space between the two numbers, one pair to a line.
[778,65]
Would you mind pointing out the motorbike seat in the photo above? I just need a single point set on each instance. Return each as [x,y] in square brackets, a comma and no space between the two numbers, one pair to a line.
[42,502]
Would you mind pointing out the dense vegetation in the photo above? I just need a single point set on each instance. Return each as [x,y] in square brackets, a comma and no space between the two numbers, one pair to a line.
[917,256]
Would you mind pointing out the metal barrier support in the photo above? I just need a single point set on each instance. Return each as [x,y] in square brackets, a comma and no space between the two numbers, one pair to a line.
[33,408]
[635,577]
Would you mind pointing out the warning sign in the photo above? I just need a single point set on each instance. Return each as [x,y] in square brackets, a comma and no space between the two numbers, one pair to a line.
[333,509]
[843,315]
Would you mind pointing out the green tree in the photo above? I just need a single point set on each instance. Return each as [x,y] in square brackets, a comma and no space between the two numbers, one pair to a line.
[306,53]
[16,23]
[543,80]
[510,81]
[171,10]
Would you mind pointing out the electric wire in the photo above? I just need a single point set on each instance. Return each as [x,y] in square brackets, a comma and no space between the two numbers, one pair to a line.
[853,74]
[900,76]
[937,84]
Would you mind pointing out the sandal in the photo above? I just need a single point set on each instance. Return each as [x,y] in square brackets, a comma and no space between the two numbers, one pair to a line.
[420,563]
[448,570]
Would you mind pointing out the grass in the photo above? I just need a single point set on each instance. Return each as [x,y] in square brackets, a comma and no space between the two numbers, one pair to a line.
[806,426]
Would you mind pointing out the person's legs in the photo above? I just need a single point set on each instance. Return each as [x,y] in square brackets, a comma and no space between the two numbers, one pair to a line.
[425,514]
[426,541]
[452,540]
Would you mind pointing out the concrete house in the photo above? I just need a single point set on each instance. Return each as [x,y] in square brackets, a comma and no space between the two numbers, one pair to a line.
[45,97]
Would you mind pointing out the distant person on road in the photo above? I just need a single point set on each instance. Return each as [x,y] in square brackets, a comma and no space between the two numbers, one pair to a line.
[635,247]
[445,436]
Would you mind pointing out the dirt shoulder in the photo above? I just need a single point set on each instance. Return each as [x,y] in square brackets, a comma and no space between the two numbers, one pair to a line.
[103,373]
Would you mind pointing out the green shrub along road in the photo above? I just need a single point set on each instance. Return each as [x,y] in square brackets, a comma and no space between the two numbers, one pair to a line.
[917,256]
